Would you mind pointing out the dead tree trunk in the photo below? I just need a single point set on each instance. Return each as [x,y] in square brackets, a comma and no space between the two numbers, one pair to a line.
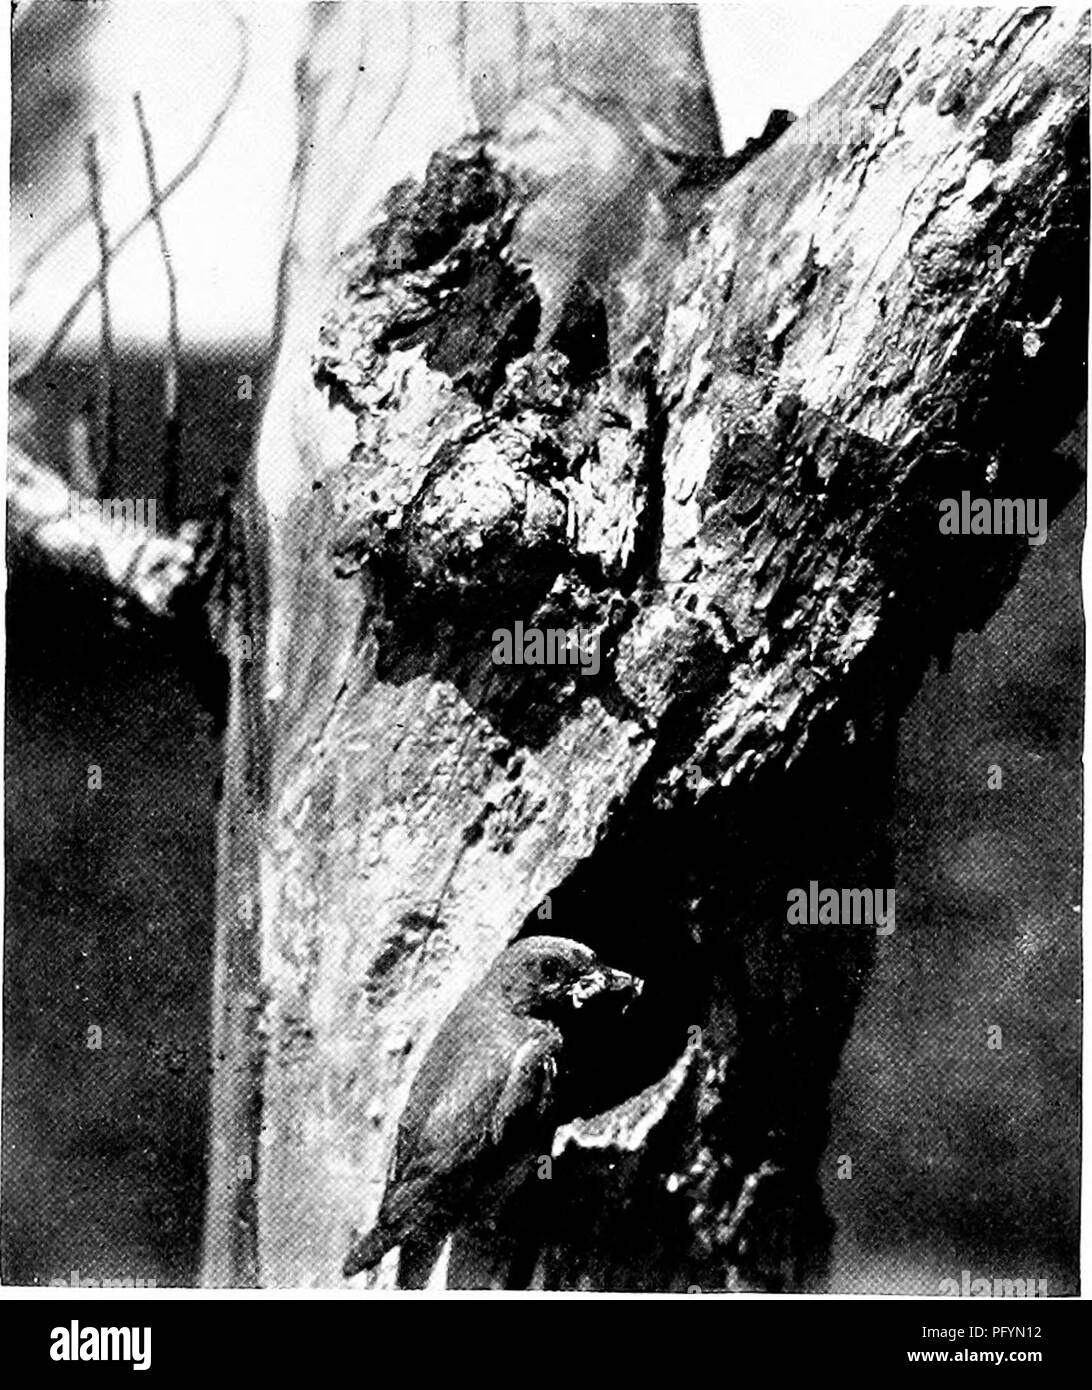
[568,376]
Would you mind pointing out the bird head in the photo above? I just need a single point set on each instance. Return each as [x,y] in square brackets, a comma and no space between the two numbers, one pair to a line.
[553,978]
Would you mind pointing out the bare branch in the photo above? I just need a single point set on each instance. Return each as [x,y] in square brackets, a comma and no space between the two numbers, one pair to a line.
[171,411]
[106,401]
[42,358]
[75,219]
[100,540]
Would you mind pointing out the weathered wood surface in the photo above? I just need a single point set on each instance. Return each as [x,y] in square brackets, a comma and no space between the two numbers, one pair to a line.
[727,464]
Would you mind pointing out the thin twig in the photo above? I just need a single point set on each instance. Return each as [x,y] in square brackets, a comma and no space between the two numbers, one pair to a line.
[73,222]
[172,448]
[61,332]
[106,400]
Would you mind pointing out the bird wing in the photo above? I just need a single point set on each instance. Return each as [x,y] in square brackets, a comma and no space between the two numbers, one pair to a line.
[529,1087]
[481,1102]
[493,1099]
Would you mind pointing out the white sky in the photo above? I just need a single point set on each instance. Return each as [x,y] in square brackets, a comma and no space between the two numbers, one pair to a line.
[224,225]
[762,55]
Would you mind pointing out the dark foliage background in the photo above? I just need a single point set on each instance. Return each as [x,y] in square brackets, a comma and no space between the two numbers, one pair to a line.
[109,893]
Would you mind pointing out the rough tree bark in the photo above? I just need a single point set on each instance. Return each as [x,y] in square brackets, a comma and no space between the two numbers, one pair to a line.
[716,439]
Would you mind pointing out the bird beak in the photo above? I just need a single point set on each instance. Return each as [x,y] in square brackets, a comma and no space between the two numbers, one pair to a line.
[602,980]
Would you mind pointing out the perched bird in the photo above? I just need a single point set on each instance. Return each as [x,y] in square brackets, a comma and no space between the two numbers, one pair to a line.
[487,1098]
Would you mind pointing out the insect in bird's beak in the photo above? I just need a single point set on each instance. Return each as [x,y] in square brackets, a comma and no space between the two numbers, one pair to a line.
[605,981]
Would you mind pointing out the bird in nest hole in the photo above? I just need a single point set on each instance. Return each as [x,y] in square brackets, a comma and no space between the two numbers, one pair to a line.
[488,1096]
